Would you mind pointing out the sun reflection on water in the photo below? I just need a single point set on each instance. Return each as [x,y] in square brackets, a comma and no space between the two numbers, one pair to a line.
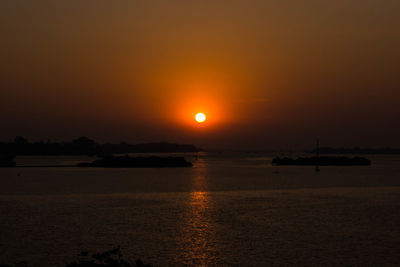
[198,241]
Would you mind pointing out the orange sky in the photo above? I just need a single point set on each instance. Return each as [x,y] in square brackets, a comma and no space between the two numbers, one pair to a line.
[268,74]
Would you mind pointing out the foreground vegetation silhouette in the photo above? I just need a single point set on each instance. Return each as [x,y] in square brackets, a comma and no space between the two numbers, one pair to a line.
[109,258]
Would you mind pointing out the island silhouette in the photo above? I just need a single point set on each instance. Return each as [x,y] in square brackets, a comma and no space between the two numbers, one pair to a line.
[107,152]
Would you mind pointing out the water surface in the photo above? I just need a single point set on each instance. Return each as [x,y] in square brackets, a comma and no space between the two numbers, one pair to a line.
[229,209]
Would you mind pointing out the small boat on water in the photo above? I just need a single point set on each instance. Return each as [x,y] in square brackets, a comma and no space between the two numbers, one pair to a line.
[137,162]
[322,161]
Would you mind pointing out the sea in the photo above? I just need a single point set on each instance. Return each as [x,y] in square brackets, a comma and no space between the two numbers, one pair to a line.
[229,209]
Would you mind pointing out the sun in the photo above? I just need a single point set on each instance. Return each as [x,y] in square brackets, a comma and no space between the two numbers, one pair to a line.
[200,117]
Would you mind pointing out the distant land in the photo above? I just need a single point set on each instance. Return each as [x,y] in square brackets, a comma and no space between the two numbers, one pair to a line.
[86,146]
[358,150]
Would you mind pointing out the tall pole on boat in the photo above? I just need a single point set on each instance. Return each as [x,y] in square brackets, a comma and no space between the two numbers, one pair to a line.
[317,160]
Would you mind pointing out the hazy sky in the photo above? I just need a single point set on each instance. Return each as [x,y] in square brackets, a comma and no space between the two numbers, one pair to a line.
[266,73]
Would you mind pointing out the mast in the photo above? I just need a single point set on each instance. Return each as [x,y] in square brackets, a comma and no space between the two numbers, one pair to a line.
[317,160]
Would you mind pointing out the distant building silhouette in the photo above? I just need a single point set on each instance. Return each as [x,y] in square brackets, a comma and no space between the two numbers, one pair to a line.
[20,140]
[84,141]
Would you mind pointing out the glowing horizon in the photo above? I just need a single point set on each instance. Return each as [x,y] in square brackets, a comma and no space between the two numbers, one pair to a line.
[265,74]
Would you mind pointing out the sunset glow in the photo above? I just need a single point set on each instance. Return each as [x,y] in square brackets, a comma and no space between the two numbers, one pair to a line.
[199,133]
[264,74]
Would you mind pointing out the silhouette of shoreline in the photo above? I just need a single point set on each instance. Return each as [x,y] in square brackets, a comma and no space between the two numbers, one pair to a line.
[137,162]
[85,146]
[322,161]
[357,150]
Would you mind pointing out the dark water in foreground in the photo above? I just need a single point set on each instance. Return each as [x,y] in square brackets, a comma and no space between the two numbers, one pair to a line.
[231,209]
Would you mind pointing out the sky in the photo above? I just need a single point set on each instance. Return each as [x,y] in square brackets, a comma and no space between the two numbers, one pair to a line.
[267,74]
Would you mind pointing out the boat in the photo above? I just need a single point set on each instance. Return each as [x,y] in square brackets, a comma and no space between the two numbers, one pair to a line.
[137,162]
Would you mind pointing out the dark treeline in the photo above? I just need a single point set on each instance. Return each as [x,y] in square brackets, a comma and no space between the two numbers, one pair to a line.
[357,150]
[86,146]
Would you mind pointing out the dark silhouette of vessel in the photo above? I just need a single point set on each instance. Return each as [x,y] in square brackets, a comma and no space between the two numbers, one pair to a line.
[137,162]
